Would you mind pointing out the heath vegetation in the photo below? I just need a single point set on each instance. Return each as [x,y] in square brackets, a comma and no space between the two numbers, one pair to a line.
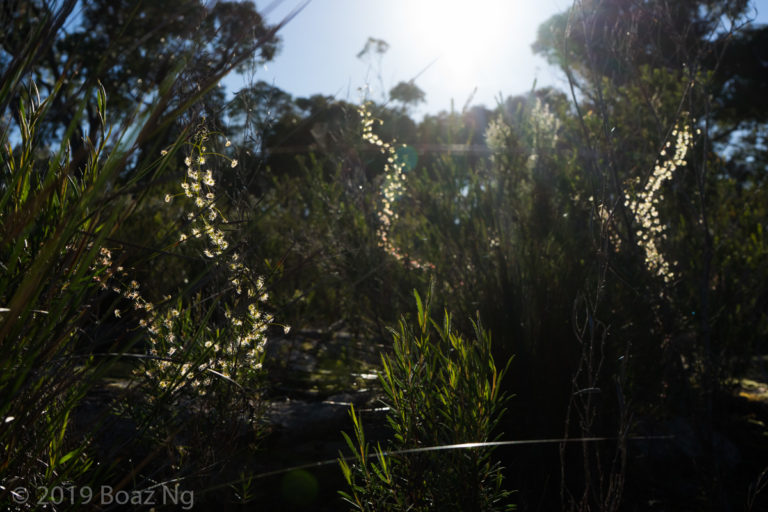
[208,296]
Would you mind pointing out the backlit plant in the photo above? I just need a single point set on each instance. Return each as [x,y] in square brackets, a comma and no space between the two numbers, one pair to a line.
[441,389]
[231,346]
[392,188]
[645,206]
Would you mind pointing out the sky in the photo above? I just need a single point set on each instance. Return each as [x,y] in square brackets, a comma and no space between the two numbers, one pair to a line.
[456,50]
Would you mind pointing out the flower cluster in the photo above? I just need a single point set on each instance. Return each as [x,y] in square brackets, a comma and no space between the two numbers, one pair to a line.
[198,185]
[497,136]
[184,354]
[392,188]
[115,278]
[644,206]
[187,357]
[545,126]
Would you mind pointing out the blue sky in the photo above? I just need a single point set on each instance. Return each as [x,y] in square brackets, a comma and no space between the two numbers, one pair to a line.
[453,46]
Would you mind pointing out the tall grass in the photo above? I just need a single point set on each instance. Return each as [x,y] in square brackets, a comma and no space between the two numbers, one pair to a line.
[66,282]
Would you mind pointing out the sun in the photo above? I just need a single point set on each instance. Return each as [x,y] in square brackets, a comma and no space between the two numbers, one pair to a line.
[462,36]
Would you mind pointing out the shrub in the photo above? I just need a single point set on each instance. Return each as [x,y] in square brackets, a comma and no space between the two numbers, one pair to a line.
[442,389]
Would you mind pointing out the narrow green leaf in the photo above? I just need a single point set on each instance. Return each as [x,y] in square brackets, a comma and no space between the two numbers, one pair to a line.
[68,456]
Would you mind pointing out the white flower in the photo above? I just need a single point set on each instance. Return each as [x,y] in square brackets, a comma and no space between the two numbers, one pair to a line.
[644,208]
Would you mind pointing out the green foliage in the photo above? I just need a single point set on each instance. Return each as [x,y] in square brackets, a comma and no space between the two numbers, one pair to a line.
[502,232]
[115,246]
[55,217]
[442,389]
[134,50]
[72,318]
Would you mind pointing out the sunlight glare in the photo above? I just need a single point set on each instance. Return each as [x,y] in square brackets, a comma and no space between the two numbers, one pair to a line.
[463,35]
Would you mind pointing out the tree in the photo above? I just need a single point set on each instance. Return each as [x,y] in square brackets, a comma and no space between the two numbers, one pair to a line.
[135,50]
[407,93]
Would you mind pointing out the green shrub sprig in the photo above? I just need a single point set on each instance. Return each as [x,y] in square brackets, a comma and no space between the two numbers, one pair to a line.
[442,389]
